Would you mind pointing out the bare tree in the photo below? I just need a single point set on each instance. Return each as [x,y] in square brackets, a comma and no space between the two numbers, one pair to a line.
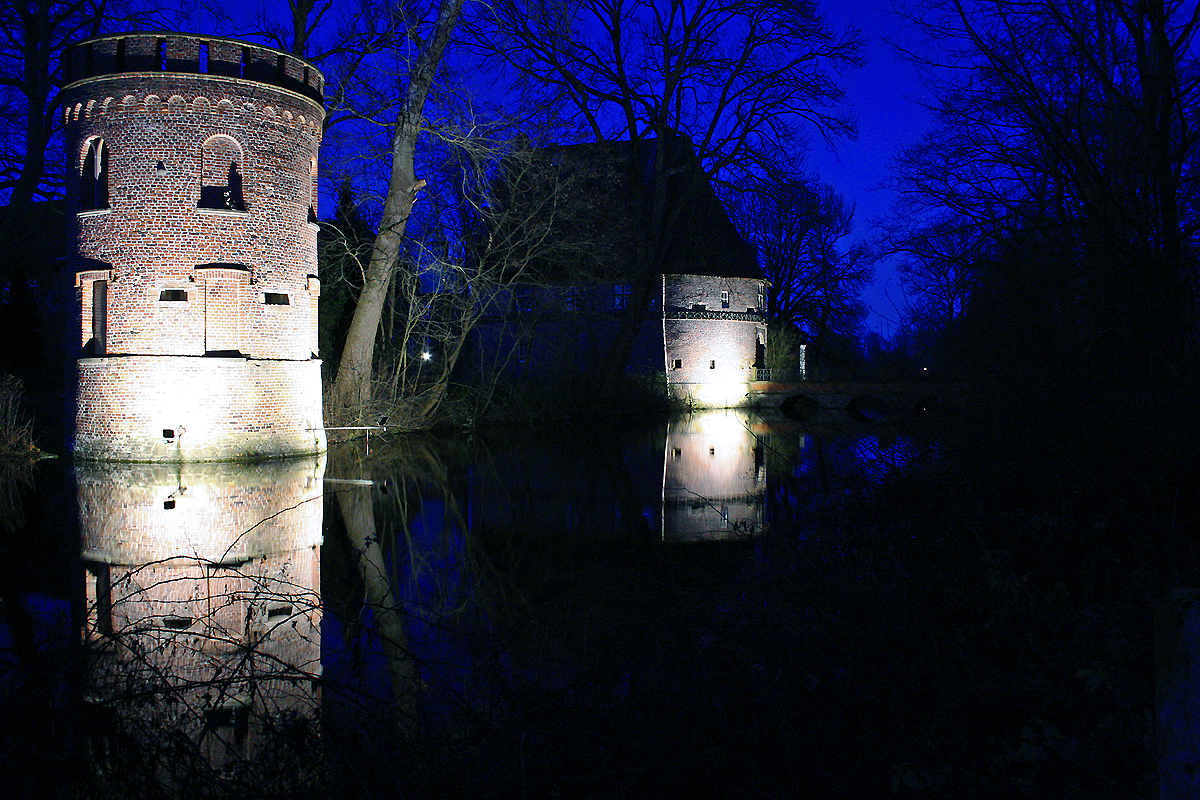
[800,229]
[1071,124]
[34,36]
[351,392]
[743,82]
[939,271]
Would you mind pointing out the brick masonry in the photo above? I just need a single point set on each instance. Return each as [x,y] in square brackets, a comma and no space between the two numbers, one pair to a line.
[712,328]
[209,317]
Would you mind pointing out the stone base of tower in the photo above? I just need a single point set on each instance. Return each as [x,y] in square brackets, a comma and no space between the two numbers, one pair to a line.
[184,408]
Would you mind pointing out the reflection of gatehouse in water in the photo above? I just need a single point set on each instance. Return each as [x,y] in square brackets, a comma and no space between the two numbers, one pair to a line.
[203,614]
[701,478]
[714,478]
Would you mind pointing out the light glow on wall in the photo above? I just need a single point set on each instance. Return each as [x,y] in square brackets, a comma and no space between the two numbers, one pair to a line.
[726,392]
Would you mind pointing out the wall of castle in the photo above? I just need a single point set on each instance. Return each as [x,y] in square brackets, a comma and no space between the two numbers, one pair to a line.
[175,408]
[712,293]
[154,235]
[710,361]
[193,192]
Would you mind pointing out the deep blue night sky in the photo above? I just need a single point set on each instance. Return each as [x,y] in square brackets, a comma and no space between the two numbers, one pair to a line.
[884,95]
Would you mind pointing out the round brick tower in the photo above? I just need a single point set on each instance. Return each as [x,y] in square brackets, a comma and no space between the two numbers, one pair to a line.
[192,189]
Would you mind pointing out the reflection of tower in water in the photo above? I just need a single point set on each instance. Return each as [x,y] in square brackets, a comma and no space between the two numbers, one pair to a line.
[713,479]
[203,615]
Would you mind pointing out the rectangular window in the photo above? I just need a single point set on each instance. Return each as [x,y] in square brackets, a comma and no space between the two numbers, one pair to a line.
[173,296]
[724,299]
[99,317]
[524,299]
[678,364]
[621,295]
[276,299]
[712,364]
[522,352]
[574,302]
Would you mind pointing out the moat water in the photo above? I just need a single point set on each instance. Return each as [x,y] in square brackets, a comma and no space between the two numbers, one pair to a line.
[549,612]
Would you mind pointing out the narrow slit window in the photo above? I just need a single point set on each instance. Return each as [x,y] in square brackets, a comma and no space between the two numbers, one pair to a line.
[312,187]
[277,610]
[173,296]
[724,299]
[276,299]
[712,364]
[93,178]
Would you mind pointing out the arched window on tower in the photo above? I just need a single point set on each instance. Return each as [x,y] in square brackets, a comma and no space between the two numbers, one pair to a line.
[93,177]
[221,175]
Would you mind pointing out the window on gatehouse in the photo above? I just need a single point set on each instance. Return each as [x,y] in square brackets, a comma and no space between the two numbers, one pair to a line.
[93,178]
[621,295]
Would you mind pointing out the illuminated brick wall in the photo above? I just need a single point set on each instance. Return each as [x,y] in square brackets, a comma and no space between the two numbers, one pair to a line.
[164,408]
[712,331]
[192,187]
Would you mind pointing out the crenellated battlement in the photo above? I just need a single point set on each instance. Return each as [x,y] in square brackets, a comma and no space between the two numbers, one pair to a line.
[191,54]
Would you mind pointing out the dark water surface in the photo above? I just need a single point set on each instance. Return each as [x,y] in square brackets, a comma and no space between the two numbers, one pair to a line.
[680,609]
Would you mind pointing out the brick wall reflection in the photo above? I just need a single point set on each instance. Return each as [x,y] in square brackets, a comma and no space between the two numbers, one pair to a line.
[202,586]
[714,478]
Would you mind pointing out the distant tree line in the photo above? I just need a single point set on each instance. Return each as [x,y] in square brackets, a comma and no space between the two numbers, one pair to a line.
[1049,220]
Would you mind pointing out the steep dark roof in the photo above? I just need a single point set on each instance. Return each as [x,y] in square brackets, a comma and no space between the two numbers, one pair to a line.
[602,187]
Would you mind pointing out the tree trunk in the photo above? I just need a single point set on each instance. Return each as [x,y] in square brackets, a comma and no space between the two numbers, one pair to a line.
[358,513]
[350,397]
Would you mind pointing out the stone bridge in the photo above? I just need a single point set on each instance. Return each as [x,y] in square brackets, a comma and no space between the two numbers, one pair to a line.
[864,401]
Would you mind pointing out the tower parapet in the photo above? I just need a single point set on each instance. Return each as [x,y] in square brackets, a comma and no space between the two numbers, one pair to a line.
[193,191]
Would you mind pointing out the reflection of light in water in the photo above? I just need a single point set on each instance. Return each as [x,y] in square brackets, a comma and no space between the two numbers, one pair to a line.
[712,481]
[203,618]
